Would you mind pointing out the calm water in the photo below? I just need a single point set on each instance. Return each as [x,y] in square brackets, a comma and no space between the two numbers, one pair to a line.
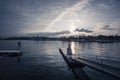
[41,60]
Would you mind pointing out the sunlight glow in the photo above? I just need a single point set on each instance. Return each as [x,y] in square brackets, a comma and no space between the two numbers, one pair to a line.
[63,21]
[72,27]
[73,47]
[74,54]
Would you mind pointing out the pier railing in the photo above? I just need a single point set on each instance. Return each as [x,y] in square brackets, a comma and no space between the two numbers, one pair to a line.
[99,63]
[108,60]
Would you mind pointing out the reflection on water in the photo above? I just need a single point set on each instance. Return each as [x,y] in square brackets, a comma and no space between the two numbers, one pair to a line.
[76,68]
[42,57]
[19,59]
[107,49]
[73,47]
[71,50]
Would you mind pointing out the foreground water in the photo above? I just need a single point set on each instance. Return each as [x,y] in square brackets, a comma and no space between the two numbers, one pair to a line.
[41,60]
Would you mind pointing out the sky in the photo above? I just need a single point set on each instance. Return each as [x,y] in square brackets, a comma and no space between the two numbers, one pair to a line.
[89,17]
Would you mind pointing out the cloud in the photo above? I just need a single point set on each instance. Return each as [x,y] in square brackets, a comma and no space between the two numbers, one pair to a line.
[116,25]
[107,27]
[103,6]
[49,34]
[28,16]
[67,16]
[111,28]
[83,30]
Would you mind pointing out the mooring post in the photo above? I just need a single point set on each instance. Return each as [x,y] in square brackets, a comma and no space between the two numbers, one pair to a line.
[19,45]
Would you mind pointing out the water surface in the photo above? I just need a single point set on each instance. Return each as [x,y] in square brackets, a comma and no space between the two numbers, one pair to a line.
[41,60]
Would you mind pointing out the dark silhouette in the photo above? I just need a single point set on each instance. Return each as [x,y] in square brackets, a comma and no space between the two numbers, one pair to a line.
[69,50]
[19,45]
[99,38]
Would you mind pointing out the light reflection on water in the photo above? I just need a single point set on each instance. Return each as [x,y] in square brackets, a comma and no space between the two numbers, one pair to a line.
[43,57]
[105,49]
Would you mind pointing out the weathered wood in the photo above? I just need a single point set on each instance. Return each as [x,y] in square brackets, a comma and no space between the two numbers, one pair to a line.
[101,67]
[10,53]
[94,65]
[65,58]
[73,66]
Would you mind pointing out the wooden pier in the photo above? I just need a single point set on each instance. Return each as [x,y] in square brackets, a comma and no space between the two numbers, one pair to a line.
[74,66]
[113,71]
[11,53]
[100,67]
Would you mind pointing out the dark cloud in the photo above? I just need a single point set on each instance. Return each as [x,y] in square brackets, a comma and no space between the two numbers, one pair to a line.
[107,27]
[49,34]
[83,30]
[24,16]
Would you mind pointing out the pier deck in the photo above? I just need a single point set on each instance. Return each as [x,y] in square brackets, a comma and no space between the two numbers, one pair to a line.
[114,71]
[10,53]
[101,67]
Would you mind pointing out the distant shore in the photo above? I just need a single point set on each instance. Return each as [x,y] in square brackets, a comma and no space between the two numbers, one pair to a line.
[99,38]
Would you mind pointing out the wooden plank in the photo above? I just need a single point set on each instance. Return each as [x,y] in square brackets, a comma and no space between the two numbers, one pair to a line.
[10,53]
[101,67]
[73,67]
[65,58]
